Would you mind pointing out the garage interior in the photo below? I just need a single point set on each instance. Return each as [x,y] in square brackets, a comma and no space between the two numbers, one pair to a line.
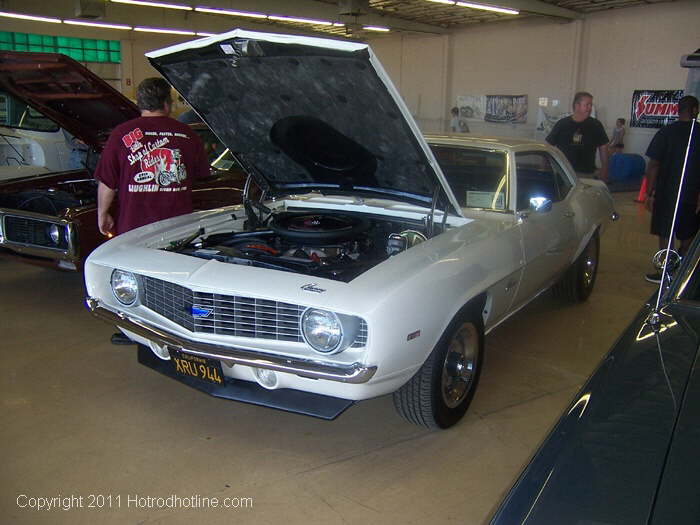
[81,417]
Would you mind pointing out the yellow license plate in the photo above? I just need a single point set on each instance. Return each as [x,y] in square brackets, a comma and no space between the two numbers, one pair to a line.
[189,365]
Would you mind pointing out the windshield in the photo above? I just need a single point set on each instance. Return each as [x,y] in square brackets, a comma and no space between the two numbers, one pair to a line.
[16,114]
[478,178]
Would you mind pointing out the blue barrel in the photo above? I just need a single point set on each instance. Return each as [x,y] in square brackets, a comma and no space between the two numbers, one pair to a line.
[626,167]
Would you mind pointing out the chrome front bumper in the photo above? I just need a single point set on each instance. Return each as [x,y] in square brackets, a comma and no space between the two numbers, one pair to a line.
[355,373]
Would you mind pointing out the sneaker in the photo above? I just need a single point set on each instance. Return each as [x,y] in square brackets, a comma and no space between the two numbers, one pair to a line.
[653,277]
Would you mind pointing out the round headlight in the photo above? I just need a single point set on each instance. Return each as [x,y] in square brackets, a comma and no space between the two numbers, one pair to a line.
[322,330]
[55,233]
[125,287]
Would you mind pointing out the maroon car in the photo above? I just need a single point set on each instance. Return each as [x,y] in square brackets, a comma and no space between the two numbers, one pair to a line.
[51,219]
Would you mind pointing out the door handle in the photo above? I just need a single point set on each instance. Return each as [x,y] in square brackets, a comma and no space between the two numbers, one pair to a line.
[569,214]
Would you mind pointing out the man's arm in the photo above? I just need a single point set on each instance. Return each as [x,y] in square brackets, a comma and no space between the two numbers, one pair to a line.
[603,153]
[651,175]
[552,138]
[105,197]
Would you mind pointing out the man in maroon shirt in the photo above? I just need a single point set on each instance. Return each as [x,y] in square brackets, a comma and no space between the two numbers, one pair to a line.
[149,163]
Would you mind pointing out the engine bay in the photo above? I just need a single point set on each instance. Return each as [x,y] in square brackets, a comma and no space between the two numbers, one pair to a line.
[338,246]
[53,200]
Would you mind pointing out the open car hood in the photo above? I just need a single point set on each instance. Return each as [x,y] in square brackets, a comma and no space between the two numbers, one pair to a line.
[66,92]
[304,113]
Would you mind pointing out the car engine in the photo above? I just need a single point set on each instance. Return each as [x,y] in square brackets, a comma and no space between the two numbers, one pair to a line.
[336,246]
[52,200]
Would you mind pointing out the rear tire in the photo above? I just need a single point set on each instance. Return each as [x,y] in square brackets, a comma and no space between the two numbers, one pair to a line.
[577,283]
[438,395]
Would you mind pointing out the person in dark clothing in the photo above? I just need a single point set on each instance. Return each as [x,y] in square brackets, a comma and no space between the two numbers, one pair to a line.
[667,152]
[579,135]
[149,164]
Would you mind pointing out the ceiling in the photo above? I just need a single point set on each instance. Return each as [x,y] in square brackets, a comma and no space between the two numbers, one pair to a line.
[343,18]
[422,16]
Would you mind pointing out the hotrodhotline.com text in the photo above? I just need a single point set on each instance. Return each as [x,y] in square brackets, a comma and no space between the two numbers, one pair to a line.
[129,501]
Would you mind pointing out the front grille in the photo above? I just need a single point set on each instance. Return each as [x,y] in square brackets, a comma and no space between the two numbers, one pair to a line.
[33,232]
[228,314]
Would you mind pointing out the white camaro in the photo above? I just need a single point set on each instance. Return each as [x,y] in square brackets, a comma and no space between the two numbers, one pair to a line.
[372,260]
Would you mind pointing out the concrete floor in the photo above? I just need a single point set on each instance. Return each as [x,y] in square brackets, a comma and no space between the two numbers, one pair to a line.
[81,418]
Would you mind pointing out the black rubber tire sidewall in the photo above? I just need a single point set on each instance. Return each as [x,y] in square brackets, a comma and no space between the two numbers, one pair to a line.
[444,416]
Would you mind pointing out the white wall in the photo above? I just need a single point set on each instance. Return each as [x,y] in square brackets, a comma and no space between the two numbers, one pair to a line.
[609,53]
[637,48]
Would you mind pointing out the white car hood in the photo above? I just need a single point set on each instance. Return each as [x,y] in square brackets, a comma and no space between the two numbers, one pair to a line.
[301,113]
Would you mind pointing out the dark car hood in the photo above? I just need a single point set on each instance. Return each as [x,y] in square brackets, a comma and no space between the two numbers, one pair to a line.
[306,113]
[625,452]
[67,93]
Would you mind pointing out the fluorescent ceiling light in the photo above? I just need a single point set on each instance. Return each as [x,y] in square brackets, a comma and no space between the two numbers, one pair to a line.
[485,7]
[202,33]
[154,4]
[218,11]
[30,17]
[96,24]
[375,28]
[300,20]
[338,24]
[164,30]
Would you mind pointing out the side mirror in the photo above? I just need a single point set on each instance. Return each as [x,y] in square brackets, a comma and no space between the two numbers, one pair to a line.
[668,257]
[540,204]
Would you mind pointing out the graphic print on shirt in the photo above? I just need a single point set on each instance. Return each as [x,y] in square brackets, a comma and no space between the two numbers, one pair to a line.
[164,166]
[161,168]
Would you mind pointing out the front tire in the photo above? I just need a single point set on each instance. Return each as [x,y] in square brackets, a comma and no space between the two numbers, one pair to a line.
[577,283]
[438,395]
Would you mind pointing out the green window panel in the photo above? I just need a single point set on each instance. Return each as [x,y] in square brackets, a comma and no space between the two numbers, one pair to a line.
[76,54]
[86,50]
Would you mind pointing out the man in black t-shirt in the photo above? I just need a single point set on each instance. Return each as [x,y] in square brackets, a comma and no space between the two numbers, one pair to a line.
[579,135]
[666,154]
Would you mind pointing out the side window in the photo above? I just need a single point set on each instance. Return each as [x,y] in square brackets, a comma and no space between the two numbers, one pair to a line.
[538,175]
[477,177]
[562,180]
[16,114]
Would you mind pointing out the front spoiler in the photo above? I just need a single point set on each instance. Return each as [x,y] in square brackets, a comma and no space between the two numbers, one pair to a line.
[354,373]
[306,403]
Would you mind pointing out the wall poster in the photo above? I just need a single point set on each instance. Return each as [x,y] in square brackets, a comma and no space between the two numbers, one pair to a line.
[654,108]
[472,107]
[506,108]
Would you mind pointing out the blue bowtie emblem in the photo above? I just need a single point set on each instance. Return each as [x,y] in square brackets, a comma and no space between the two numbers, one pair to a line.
[200,311]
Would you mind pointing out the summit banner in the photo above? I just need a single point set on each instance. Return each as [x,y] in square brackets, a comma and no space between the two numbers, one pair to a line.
[654,108]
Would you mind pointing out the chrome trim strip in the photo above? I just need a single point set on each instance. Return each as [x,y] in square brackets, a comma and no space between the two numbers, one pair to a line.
[355,373]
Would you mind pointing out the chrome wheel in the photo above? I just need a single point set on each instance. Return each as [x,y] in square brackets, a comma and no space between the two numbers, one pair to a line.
[589,263]
[459,366]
